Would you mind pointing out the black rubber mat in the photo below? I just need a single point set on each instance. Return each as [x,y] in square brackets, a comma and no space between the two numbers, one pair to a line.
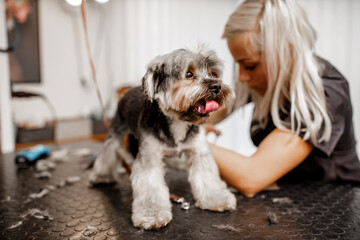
[65,208]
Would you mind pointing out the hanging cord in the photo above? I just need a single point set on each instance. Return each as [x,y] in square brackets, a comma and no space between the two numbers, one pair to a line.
[106,122]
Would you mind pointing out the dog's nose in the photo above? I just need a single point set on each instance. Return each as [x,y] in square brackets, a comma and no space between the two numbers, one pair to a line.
[215,88]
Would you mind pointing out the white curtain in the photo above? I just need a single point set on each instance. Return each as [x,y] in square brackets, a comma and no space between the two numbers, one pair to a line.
[146,29]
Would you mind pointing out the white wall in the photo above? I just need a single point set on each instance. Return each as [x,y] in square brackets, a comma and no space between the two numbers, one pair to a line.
[126,34]
[65,73]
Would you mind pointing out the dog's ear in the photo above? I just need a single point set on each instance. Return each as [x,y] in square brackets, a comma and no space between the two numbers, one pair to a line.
[154,77]
[148,85]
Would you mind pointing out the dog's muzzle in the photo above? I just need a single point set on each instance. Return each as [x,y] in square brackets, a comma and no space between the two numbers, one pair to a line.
[210,104]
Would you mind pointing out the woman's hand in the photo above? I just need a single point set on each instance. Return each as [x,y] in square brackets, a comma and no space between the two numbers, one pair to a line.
[211,128]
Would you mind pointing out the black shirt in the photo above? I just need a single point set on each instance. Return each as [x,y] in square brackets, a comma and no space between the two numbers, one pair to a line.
[335,159]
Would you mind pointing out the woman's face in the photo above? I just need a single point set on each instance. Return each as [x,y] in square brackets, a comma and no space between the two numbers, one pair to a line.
[251,66]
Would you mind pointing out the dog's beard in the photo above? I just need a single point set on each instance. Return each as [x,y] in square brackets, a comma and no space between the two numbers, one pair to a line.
[192,102]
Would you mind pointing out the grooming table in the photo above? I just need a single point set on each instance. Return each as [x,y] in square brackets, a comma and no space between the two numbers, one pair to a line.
[64,207]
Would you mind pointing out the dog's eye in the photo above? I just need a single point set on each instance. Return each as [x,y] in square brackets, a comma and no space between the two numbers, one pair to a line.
[214,74]
[189,74]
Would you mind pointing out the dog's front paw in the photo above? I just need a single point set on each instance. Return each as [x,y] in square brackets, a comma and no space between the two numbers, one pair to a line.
[220,201]
[149,219]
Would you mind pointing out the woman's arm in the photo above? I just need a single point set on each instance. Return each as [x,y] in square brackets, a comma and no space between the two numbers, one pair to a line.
[280,152]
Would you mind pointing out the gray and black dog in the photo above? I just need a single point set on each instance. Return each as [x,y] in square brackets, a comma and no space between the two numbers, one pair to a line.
[164,115]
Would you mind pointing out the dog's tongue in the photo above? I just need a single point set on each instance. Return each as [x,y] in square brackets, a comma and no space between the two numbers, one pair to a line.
[209,106]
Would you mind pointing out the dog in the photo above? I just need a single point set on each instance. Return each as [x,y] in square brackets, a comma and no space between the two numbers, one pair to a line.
[164,117]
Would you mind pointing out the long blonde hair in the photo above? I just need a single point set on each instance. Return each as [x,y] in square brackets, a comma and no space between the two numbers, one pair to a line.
[281,32]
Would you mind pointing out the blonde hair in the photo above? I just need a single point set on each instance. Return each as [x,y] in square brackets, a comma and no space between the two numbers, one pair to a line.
[281,32]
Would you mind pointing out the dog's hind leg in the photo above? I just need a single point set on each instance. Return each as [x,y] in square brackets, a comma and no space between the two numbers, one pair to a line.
[151,207]
[108,164]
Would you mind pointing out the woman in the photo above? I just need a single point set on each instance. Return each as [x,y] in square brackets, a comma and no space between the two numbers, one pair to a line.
[302,119]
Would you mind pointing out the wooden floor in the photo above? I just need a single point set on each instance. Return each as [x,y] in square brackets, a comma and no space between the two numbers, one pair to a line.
[97,137]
